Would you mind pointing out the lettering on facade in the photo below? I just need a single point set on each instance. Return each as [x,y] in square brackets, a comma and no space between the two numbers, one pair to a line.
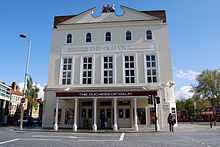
[98,94]
[105,94]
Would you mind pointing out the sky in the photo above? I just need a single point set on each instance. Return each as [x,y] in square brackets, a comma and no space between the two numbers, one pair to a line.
[194,35]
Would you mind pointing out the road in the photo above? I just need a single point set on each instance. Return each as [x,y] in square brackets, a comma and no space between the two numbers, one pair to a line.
[185,136]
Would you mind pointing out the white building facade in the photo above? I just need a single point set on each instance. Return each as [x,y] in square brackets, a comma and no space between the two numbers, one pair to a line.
[103,70]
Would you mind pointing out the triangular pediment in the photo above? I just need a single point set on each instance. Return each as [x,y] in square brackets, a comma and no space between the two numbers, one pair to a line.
[128,15]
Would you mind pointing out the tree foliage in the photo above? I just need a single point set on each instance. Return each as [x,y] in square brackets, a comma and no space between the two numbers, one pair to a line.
[208,86]
[31,94]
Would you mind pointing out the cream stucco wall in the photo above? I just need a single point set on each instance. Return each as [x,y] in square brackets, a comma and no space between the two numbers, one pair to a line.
[118,47]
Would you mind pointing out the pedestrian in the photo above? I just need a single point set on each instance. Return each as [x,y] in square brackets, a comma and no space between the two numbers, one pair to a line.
[171,121]
[211,120]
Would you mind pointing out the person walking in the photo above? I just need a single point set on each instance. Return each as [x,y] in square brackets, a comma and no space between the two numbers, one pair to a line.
[171,121]
[211,118]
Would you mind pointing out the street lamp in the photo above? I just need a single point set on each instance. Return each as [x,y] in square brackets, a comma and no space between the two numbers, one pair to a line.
[24,36]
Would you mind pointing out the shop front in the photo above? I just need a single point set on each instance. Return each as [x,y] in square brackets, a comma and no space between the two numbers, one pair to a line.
[102,110]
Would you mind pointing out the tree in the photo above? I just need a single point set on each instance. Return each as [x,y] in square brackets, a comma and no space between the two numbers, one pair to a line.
[209,86]
[31,94]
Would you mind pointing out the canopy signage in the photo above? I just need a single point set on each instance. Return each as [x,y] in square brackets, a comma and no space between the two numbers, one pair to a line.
[105,94]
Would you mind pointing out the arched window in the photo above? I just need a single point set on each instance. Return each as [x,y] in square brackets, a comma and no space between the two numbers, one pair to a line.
[128,35]
[88,37]
[149,35]
[69,38]
[107,36]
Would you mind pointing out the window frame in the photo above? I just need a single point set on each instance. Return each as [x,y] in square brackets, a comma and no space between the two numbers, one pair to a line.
[146,34]
[128,31]
[88,33]
[129,69]
[62,70]
[108,36]
[151,68]
[87,70]
[108,69]
[67,38]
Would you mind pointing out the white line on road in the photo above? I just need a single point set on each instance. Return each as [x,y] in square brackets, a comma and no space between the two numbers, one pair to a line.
[98,140]
[122,137]
[45,136]
[102,140]
[8,141]
[38,139]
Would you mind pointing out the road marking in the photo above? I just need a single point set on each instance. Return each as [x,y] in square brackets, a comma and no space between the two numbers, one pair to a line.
[45,136]
[122,137]
[8,141]
[38,139]
[98,140]
[102,140]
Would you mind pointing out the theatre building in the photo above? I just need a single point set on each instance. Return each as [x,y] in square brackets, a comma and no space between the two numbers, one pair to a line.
[104,69]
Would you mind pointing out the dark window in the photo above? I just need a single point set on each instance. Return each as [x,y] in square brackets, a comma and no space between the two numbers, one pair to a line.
[127,113]
[141,116]
[126,80]
[83,113]
[84,80]
[110,59]
[108,113]
[120,113]
[132,80]
[153,64]
[154,79]
[108,36]
[128,35]
[149,80]
[110,80]
[69,38]
[89,81]
[89,113]
[149,35]
[106,103]
[132,65]
[153,58]
[131,58]
[105,80]
[88,37]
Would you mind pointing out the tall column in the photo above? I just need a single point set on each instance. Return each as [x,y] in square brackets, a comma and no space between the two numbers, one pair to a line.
[94,115]
[115,126]
[135,114]
[56,115]
[75,115]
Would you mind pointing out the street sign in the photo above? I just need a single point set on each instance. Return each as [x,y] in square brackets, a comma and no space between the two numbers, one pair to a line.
[22,100]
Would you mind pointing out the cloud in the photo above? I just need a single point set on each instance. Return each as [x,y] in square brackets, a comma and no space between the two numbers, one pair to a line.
[40,86]
[184,92]
[187,74]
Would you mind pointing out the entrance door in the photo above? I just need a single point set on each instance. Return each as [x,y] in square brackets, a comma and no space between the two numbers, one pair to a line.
[141,114]
[105,116]
[86,117]
[124,117]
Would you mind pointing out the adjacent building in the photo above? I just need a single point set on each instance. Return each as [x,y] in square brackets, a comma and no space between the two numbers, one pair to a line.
[15,98]
[104,69]
[4,102]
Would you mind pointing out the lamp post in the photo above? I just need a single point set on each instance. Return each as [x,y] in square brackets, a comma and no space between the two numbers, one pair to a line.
[24,36]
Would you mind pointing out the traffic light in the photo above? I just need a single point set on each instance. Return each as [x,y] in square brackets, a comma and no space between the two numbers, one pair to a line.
[157,100]
[150,100]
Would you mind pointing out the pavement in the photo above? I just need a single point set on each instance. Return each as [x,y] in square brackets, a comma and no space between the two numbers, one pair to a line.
[186,135]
